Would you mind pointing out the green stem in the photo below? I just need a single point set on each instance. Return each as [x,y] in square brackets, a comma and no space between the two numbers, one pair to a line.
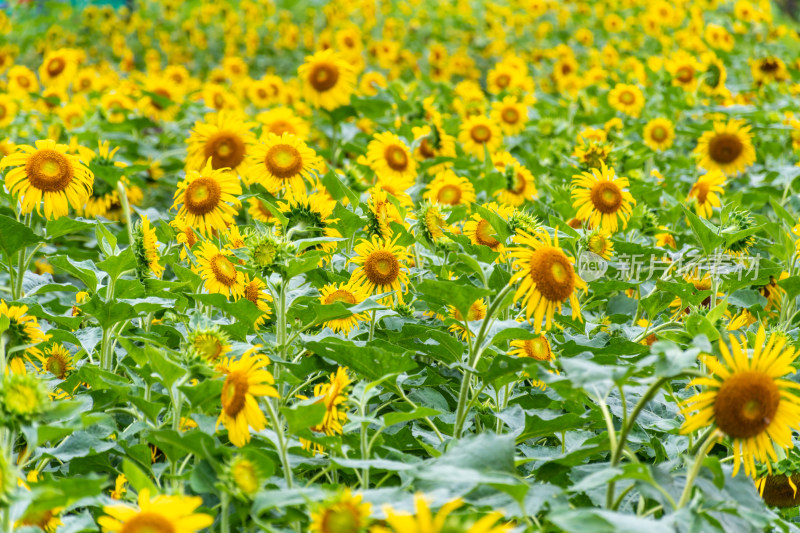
[698,463]
[364,446]
[278,427]
[372,326]
[126,209]
[224,515]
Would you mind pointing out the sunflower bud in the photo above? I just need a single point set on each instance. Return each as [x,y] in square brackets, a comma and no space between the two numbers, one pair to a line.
[24,398]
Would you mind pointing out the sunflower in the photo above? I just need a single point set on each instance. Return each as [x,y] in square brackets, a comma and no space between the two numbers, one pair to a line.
[477,311]
[218,271]
[333,394]
[185,235]
[255,291]
[8,110]
[601,198]
[280,120]
[57,360]
[431,224]
[116,105]
[211,344]
[547,278]
[23,330]
[269,90]
[449,189]
[519,182]
[425,521]
[46,520]
[769,69]
[328,80]
[627,99]
[684,69]
[58,68]
[728,147]
[705,192]
[159,514]
[281,163]
[510,114]
[348,293]
[432,141]
[21,81]
[592,154]
[599,242]
[346,514]
[245,379]
[659,134]
[147,249]
[536,348]
[773,292]
[207,199]
[478,134]
[159,99]
[381,212]
[371,83]
[246,476]
[779,490]
[391,159]
[746,399]
[47,173]
[480,231]
[382,267]
[224,139]
[309,217]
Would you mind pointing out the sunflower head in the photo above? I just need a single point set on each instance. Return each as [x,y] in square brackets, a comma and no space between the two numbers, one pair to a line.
[24,397]
[346,513]
[245,476]
[739,220]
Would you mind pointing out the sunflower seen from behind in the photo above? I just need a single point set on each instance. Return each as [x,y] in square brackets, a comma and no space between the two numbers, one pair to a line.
[747,398]
[45,175]
[207,200]
[156,514]
[546,278]
[728,147]
[328,81]
[601,198]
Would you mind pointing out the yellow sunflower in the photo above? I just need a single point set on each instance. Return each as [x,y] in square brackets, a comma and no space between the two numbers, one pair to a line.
[328,80]
[245,379]
[266,92]
[58,361]
[728,147]
[425,521]
[280,120]
[536,348]
[159,514]
[159,99]
[282,163]
[599,242]
[431,142]
[684,69]
[381,212]
[391,159]
[477,311]
[8,110]
[746,399]
[58,68]
[207,200]
[659,134]
[480,231]
[769,69]
[347,514]
[547,278]
[449,189]
[627,99]
[47,173]
[224,139]
[333,394]
[255,290]
[478,134]
[510,114]
[705,192]
[209,343]
[601,198]
[148,247]
[382,267]
[21,81]
[519,185]
[218,271]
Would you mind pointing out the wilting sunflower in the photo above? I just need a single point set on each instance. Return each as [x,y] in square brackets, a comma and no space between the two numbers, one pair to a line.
[23,330]
[382,267]
[520,185]
[47,173]
[346,514]
[601,198]
[391,159]
[425,521]
[449,189]
[480,231]
[381,212]
[255,290]
[280,120]
[333,394]
[245,379]
[547,278]
[510,114]
[225,139]
[746,399]
[146,248]
[627,99]
[159,514]
[328,80]
[728,148]
[281,163]
[705,192]
[478,134]
[348,293]
[57,360]
[309,217]
[659,134]
[218,271]
[207,199]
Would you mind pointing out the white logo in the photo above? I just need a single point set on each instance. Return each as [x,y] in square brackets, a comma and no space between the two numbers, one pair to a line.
[591,266]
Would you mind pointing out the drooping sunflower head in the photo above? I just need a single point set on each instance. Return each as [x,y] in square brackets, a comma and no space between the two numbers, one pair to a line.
[747,399]
[601,198]
[727,148]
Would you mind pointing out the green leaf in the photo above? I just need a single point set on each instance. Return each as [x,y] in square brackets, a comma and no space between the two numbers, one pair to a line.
[137,478]
[397,417]
[339,190]
[303,415]
[373,361]
[707,234]
[461,295]
[15,236]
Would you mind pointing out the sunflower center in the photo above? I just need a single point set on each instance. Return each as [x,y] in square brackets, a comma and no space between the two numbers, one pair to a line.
[3,111]
[340,521]
[57,366]
[769,65]
[552,273]
[701,190]
[56,66]
[746,404]
[480,133]
[226,150]
[341,296]
[725,148]
[251,292]
[537,349]
[606,197]
[659,133]
[23,82]
[283,161]
[510,115]
[685,74]
[382,267]
[224,271]
[426,150]
[597,244]
[484,234]
[323,77]
[49,170]
[202,196]
[208,346]
[627,98]
[146,522]
[234,393]
[395,157]
[449,195]
[279,127]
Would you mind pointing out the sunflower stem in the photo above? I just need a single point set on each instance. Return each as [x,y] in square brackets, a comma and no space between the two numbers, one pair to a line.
[126,209]
[278,427]
[698,463]
[224,516]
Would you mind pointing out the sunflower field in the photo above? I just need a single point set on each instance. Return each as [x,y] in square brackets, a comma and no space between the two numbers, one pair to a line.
[399,266]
